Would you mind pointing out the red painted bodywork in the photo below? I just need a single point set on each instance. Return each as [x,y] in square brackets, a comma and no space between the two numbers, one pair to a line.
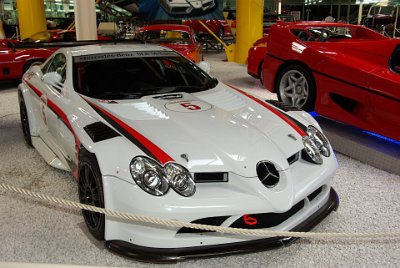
[214,25]
[354,83]
[58,36]
[191,50]
[14,62]
[256,57]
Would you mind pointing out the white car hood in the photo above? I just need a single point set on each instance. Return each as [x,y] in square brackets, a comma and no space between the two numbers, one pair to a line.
[219,130]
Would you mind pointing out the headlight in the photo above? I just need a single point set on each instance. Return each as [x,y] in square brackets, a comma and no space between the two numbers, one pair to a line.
[319,140]
[180,179]
[312,150]
[157,180]
[149,175]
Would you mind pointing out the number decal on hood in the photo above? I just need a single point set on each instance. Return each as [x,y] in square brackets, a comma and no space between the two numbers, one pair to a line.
[188,106]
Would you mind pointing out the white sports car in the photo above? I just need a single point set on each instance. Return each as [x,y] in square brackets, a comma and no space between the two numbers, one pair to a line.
[186,7]
[146,131]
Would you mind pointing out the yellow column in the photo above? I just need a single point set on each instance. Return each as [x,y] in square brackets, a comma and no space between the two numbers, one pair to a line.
[31,17]
[249,21]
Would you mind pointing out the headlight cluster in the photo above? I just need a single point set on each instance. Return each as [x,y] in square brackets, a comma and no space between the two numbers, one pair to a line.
[156,180]
[316,145]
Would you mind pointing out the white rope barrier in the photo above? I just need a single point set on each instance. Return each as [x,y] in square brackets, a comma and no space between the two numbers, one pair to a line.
[174,223]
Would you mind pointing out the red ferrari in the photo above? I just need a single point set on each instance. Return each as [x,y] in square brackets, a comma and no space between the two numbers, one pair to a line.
[180,38]
[219,27]
[13,63]
[344,72]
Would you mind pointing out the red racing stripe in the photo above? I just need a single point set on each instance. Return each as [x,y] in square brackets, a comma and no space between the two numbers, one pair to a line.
[32,87]
[156,151]
[64,118]
[284,118]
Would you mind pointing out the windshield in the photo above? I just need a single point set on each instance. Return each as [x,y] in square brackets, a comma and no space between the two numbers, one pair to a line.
[130,75]
[165,36]
[381,10]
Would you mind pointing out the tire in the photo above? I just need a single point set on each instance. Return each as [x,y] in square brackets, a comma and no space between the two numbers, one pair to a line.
[220,33]
[25,123]
[260,72]
[91,193]
[295,86]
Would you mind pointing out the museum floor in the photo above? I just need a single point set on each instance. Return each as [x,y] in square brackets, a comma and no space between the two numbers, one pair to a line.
[38,232]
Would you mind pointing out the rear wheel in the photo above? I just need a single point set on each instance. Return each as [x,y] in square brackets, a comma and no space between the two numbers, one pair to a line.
[295,87]
[25,123]
[260,72]
[91,193]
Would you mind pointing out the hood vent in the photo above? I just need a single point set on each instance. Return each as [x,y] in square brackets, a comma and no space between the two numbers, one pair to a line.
[267,174]
[224,100]
[100,132]
[211,177]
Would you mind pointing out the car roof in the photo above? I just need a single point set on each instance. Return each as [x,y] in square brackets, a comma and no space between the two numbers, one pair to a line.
[178,27]
[318,24]
[112,48]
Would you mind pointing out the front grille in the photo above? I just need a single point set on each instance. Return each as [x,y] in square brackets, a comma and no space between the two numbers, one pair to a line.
[215,221]
[267,173]
[211,177]
[266,220]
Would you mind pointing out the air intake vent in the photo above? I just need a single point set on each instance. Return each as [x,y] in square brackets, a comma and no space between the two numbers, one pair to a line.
[100,132]
[314,194]
[282,106]
[211,177]
[215,221]
[293,158]
[267,174]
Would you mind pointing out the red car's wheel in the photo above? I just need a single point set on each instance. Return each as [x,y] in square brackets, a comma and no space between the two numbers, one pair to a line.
[295,87]
[91,193]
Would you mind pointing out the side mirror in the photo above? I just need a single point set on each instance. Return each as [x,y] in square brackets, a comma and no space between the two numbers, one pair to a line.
[205,66]
[52,78]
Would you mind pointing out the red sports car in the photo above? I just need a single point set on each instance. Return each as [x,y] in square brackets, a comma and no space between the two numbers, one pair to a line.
[58,36]
[13,63]
[219,27]
[178,37]
[345,72]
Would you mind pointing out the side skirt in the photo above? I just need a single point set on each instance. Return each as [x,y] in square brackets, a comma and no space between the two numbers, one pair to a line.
[48,155]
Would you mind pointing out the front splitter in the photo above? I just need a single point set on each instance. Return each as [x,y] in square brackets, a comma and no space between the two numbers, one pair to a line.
[168,255]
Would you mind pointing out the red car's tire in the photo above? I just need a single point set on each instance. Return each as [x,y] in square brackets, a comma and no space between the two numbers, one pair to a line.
[295,86]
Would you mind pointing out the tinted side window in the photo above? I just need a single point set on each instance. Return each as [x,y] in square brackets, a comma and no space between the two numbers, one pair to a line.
[394,62]
[58,65]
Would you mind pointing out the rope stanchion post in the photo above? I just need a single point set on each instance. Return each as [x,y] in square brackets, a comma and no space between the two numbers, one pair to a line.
[179,224]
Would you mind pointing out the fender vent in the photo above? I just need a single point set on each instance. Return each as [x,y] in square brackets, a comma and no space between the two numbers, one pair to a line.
[100,132]
[282,106]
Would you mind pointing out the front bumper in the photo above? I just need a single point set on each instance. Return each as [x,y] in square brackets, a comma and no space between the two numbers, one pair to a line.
[162,255]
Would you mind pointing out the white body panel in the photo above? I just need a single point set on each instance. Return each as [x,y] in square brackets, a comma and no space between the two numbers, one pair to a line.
[219,130]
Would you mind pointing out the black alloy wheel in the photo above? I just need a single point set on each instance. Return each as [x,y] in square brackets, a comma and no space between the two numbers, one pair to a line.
[25,123]
[91,193]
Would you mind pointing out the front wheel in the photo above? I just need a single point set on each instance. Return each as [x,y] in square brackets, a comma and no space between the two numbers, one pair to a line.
[25,123]
[91,193]
[295,86]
